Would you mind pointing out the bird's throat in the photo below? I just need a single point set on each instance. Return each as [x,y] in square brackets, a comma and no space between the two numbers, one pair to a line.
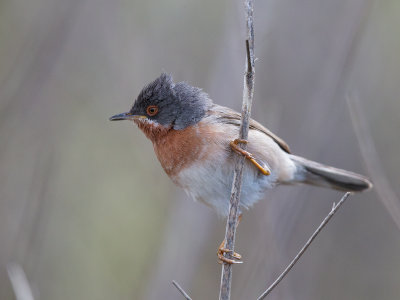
[152,130]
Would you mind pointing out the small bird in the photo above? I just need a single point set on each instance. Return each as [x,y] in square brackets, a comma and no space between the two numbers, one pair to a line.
[195,141]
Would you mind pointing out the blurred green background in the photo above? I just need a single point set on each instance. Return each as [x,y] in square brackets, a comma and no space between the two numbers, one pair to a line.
[85,208]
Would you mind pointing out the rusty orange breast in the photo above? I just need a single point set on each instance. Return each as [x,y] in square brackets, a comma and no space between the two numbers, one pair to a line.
[176,149]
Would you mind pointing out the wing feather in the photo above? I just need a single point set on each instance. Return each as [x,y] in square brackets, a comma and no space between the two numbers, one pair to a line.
[229,116]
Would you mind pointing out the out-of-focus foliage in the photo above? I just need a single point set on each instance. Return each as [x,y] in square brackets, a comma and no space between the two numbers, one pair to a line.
[86,209]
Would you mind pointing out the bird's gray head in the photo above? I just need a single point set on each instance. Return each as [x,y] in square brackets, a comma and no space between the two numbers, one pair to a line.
[168,104]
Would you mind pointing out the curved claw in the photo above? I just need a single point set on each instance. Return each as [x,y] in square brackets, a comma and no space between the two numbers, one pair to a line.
[222,259]
[260,165]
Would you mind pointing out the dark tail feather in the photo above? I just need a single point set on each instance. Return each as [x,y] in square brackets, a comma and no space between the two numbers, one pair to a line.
[314,173]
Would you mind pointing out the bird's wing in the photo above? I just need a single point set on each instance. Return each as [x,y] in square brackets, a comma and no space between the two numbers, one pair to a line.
[230,116]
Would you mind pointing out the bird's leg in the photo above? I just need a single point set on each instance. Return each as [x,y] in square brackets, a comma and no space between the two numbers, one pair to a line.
[222,250]
[234,145]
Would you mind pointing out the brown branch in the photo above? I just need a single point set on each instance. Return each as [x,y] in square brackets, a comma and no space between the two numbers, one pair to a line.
[181,290]
[334,209]
[248,90]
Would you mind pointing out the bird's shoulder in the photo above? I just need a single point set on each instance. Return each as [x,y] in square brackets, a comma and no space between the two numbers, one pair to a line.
[229,116]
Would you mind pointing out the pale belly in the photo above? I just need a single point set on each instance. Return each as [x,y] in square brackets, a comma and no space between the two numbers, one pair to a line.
[210,182]
[204,167]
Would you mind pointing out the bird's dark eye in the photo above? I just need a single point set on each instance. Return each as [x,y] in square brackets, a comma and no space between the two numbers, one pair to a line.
[152,110]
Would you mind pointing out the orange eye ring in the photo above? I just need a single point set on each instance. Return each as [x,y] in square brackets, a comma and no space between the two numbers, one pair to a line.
[152,110]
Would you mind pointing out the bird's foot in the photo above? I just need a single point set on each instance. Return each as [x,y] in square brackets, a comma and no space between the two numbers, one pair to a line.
[259,164]
[236,257]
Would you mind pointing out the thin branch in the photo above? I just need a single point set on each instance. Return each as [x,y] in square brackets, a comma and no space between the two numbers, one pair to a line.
[19,282]
[181,290]
[334,209]
[249,64]
[248,90]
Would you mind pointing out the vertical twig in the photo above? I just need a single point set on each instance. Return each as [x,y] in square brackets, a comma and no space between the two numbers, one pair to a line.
[248,90]
[334,209]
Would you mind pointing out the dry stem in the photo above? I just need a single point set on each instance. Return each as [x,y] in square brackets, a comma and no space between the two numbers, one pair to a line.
[181,290]
[334,209]
[248,90]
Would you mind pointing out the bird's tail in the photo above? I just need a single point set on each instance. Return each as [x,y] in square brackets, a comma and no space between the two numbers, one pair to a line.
[311,172]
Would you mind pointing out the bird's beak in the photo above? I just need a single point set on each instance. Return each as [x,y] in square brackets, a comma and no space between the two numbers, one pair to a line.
[126,116]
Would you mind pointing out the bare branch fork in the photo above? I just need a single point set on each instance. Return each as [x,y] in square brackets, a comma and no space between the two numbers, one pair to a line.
[334,209]
[248,90]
